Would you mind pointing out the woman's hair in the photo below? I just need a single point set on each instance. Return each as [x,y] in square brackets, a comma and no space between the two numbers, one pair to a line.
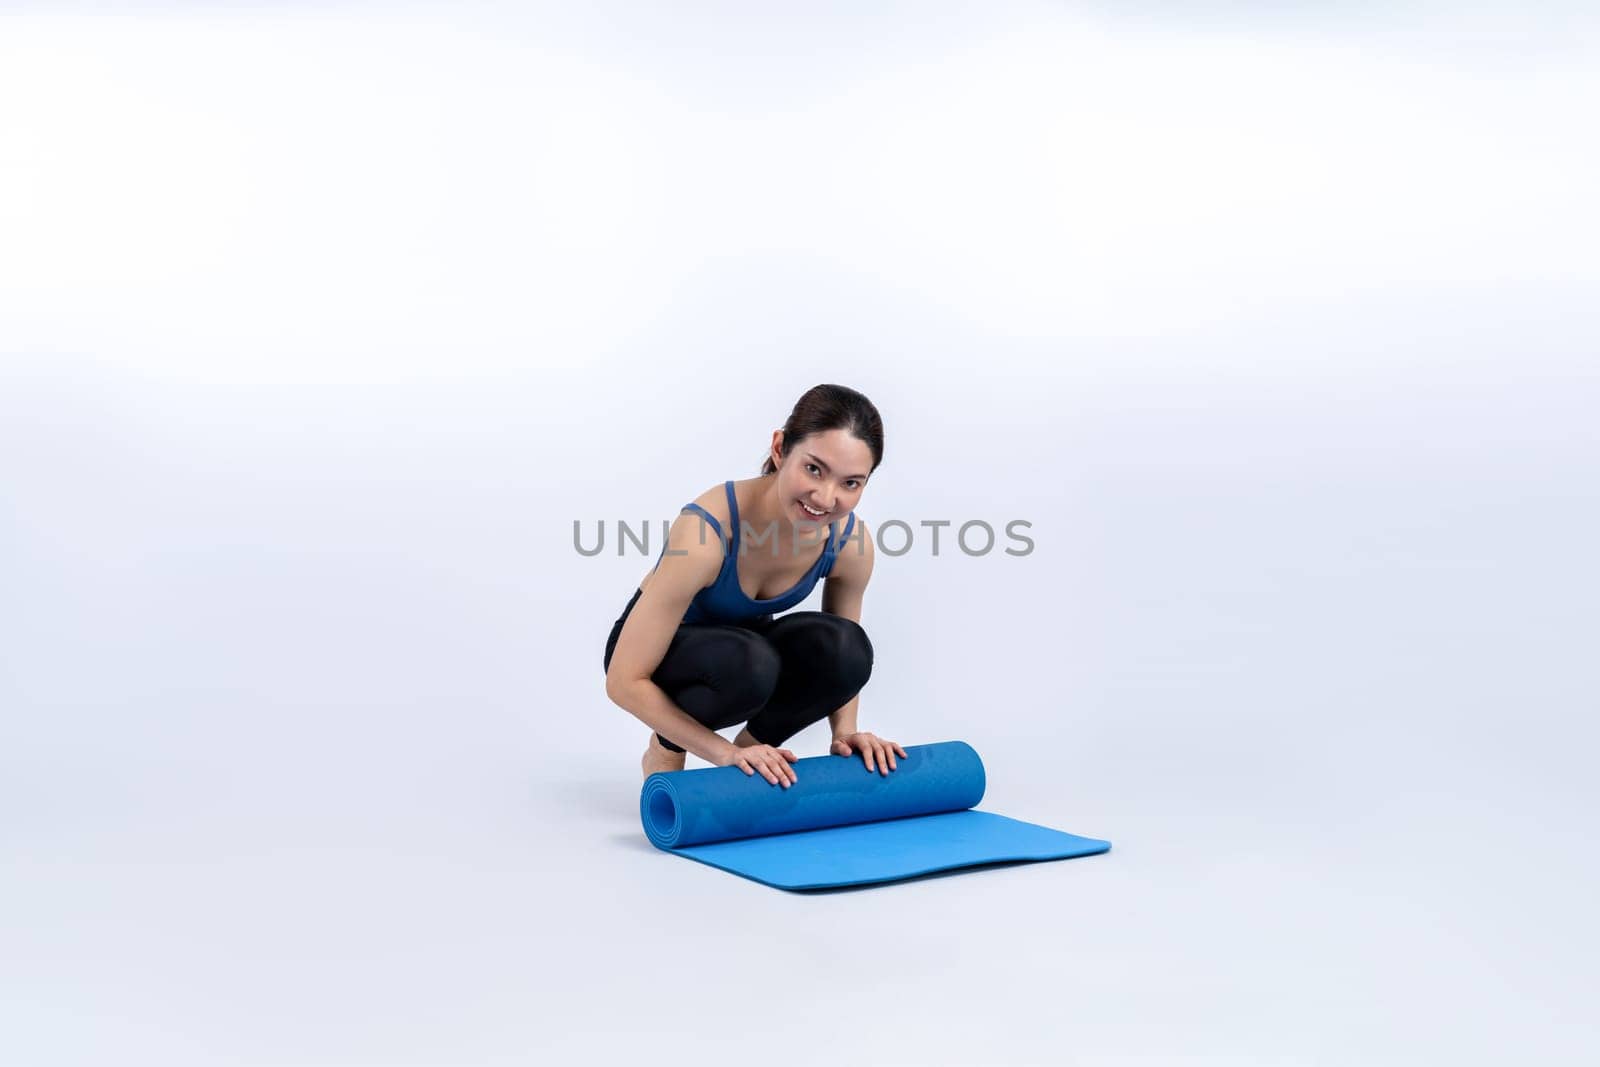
[831,407]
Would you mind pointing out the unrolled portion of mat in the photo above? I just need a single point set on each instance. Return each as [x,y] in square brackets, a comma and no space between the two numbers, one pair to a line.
[841,824]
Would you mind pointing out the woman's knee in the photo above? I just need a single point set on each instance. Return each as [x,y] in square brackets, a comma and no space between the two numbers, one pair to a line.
[854,653]
[836,644]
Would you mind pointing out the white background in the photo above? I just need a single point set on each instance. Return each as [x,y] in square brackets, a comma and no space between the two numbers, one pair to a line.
[320,325]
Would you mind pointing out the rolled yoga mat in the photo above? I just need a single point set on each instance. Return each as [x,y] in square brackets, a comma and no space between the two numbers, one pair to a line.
[841,824]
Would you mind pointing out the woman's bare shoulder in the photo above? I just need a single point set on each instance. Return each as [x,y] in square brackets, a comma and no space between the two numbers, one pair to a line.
[693,552]
[855,555]
[715,500]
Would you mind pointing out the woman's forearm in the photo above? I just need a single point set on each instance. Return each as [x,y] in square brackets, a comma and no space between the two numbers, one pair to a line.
[649,703]
[843,721]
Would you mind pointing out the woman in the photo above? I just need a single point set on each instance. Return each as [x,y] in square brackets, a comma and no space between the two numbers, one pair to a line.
[698,648]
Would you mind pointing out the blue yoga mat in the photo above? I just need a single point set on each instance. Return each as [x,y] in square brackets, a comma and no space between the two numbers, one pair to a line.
[840,824]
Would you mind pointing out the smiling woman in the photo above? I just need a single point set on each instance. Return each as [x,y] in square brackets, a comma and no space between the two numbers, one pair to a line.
[698,647]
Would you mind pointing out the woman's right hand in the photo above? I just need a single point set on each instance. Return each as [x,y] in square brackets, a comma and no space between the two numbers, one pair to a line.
[773,763]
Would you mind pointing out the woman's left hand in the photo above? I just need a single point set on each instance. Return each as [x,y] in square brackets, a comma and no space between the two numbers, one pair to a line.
[878,753]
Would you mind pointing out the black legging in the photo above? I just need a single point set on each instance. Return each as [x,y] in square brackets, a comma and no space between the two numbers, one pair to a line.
[781,674]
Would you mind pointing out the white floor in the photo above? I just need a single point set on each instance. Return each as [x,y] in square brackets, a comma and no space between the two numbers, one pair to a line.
[274,799]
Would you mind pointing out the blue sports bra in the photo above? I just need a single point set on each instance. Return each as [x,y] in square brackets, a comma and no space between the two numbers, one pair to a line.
[724,601]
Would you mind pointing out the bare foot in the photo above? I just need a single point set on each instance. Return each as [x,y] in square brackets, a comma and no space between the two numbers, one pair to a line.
[657,758]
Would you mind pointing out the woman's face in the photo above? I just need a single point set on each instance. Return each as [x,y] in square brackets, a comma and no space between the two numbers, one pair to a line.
[826,471]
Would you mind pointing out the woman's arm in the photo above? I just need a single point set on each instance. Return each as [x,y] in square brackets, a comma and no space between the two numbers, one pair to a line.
[843,721]
[689,564]
[842,595]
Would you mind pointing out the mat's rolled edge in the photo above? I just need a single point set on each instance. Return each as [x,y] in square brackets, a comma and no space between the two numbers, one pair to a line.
[659,811]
